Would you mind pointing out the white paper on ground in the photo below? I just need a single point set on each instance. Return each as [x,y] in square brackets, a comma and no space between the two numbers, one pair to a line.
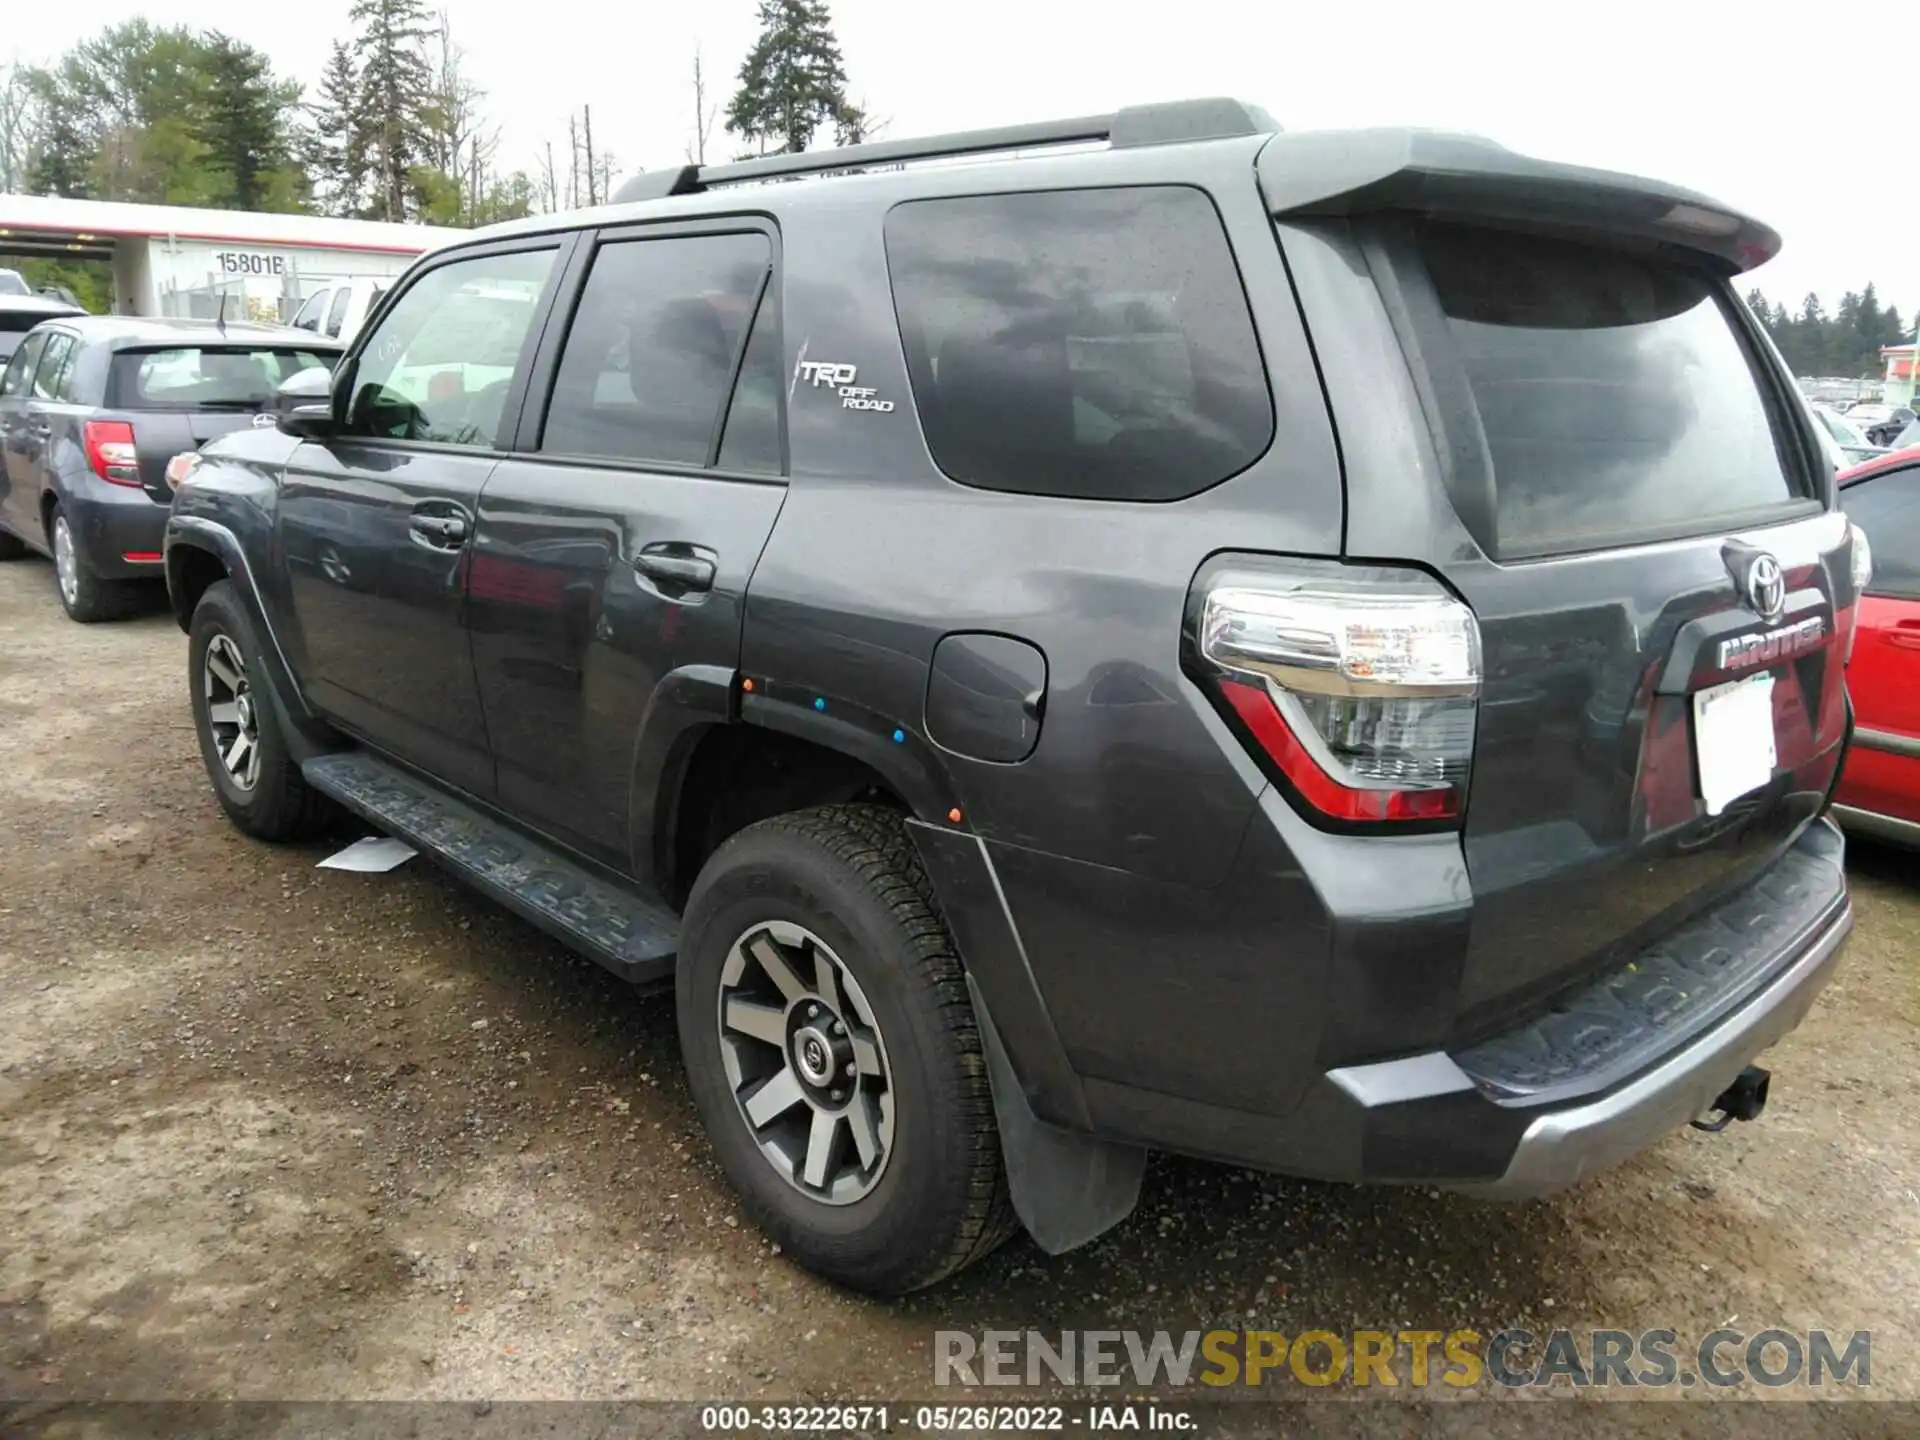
[372,856]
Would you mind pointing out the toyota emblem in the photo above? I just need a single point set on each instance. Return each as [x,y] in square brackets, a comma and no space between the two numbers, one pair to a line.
[263,420]
[1766,587]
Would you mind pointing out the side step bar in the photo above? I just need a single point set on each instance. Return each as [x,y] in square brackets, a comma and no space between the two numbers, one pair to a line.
[632,937]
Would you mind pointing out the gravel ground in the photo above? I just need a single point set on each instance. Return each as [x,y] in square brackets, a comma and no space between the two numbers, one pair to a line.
[268,1131]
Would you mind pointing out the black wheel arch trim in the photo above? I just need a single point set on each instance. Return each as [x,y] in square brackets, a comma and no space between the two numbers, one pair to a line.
[305,733]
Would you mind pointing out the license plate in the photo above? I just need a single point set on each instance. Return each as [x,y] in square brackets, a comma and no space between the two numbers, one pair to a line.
[1733,739]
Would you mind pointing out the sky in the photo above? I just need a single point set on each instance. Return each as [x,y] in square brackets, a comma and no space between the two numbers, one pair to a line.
[1671,90]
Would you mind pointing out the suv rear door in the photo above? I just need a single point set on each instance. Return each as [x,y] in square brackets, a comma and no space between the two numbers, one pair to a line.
[1589,442]
[615,545]
[375,521]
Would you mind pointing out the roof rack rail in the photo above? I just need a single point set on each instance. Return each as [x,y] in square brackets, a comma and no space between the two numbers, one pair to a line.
[1136,125]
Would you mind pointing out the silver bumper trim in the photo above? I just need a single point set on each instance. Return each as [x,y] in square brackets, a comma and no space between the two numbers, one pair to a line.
[1564,1146]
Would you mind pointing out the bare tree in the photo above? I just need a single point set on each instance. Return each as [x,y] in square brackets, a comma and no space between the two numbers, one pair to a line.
[703,114]
[550,183]
[573,166]
[462,145]
[22,127]
[593,174]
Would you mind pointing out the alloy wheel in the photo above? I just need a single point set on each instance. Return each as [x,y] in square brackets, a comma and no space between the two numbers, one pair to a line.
[806,1062]
[232,711]
[66,565]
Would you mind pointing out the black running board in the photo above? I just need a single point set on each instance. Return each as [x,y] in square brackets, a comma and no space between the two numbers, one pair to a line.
[632,937]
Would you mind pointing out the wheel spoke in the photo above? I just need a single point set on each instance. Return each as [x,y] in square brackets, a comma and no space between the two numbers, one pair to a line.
[866,1054]
[776,1097]
[762,1022]
[864,1120]
[824,981]
[225,713]
[820,1139]
[236,752]
[223,667]
[775,964]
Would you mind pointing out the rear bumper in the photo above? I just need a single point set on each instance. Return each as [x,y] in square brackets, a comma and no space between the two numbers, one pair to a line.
[111,522]
[1640,1052]
[1565,1146]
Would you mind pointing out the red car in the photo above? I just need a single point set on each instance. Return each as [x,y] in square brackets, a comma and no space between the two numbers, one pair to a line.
[1880,788]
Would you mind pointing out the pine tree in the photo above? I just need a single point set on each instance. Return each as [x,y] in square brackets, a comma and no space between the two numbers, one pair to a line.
[793,81]
[334,155]
[391,112]
[244,125]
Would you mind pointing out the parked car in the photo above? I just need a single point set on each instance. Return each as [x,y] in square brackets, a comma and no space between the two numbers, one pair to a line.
[953,651]
[91,410]
[1880,788]
[19,313]
[1853,445]
[12,282]
[339,310]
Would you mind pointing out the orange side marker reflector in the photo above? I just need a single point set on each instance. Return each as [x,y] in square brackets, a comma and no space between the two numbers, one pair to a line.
[747,685]
[954,815]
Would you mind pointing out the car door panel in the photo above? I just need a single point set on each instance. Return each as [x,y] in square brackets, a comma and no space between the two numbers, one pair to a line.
[612,551]
[1883,677]
[19,507]
[375,522]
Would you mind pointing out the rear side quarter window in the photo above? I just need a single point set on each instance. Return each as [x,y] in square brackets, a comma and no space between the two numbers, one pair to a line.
[1094,344]
[1887,508]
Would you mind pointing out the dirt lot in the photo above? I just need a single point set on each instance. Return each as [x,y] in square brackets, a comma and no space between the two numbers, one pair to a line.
[275,1132]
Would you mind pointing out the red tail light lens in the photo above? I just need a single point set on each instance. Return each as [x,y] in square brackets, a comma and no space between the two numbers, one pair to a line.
[1362,693]
[110,451]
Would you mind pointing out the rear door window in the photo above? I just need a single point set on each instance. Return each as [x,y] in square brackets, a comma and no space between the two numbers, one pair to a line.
[1887,508]
[310,313]
[48,373]
[654,346]
[1616,397]
[337,313]
[751,441]
[1086,343]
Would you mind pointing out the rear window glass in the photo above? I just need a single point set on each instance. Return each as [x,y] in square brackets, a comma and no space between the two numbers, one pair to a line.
[1614,393]
[202,377]
[1085,343]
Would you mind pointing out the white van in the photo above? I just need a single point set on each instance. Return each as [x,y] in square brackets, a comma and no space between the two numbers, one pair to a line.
[340,310]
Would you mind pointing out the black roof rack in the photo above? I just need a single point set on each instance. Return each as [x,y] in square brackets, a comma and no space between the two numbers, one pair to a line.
[1168,124]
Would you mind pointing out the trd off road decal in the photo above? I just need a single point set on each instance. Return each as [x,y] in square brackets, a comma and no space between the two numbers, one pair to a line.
[841,378]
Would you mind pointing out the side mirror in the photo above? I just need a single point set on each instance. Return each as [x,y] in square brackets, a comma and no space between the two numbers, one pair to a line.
[304,403]
[308,422]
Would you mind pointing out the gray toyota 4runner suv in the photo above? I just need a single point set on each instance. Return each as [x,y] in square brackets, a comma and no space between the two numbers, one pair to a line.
[1320,651]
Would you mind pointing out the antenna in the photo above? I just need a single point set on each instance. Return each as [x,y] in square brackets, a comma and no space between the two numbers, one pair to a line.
[220,320]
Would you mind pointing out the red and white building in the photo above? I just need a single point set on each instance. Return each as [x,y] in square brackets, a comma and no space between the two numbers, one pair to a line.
[180,262]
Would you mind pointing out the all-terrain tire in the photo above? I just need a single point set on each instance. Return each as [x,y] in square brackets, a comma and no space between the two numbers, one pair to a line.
[277,804]
[849,876]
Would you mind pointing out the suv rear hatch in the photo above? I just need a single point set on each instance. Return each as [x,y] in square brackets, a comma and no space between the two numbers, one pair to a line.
[1581,432]
[179,397]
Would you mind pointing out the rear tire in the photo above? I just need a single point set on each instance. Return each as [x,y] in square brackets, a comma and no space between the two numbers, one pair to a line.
[908,1187]
[83,595]
[237,721]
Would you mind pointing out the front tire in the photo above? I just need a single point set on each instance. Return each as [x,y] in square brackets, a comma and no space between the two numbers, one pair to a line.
[832,1051]
[238,726]
[83,595]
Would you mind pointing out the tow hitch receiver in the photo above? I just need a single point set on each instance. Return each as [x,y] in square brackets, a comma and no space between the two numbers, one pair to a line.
[1744,1099]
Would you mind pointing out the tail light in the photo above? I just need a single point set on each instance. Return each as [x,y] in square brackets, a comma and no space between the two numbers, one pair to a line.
[1360,687]
[1860,561]
[110,451]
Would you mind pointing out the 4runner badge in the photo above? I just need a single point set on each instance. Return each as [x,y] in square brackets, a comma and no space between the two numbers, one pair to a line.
[841,378]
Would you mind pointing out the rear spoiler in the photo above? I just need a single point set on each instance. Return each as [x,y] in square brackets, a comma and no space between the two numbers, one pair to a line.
[1446,176]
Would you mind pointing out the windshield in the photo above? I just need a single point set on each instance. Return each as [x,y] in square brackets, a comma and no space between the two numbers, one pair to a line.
[201,377]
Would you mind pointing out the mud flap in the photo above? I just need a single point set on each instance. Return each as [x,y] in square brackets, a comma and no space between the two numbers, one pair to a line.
[1067,1189]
